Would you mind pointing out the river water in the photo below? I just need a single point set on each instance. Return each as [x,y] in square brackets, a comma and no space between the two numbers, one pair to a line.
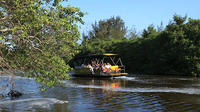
[135,93]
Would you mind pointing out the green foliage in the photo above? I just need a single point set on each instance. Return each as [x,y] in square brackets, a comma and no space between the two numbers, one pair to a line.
[178,20]
[99,46]
[150,32]
[35,37]
[174,50]
[110,28]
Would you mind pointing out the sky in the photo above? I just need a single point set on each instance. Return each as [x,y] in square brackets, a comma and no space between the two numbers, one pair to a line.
[138,14]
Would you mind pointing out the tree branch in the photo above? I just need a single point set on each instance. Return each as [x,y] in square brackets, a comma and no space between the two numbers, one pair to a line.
[5,30]
[2,2]
[4,18]
[34,37]
[32,45]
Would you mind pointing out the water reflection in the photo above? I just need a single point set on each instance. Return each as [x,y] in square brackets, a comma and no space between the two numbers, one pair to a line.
[137,93]
[98,94]
[113,95]
[140,94]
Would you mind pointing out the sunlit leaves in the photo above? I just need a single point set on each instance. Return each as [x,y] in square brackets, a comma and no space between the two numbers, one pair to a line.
[113,27]
[175,50]
[40,33]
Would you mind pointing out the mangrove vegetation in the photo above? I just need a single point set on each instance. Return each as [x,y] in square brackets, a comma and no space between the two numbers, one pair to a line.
[39,37]
[36,36]
[173,50]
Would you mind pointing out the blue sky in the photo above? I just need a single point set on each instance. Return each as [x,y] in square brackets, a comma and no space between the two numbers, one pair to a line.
[137,14]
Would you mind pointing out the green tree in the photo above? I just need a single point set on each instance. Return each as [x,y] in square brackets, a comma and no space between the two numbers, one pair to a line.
[35,36]
[149,32]
[184,44]
[113,27]
[178,20]
[174,50]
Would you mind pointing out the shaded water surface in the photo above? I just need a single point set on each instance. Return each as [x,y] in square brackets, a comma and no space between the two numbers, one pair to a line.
[135,93]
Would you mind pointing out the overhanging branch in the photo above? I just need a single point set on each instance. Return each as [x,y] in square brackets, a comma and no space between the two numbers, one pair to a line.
[4,18]
[5,30]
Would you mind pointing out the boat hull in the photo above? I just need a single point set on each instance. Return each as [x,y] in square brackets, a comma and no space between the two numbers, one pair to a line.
[100,75]
[85,72]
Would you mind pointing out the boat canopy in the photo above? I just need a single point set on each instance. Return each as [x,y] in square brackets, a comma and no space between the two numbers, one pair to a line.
[111,58]
[95,56]
[109,54]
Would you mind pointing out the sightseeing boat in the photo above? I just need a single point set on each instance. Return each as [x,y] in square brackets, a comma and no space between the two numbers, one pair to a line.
[102,65]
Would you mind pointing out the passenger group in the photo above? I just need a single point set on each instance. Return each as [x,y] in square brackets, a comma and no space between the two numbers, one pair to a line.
[106,67]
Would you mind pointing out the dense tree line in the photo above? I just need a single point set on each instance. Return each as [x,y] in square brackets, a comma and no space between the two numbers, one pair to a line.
[172,50]
[40,36]
[36,36]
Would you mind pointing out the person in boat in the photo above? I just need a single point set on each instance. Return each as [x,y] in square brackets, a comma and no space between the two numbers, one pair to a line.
[106,67]
[91,68]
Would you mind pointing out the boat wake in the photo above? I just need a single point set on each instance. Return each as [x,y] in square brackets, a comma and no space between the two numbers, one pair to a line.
[163,90]
[126,78]
[138,89]
[34,102]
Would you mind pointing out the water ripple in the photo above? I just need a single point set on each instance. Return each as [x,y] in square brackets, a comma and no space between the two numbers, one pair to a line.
[152,90]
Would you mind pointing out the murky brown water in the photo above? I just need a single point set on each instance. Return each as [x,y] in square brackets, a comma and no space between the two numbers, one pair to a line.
[124,94]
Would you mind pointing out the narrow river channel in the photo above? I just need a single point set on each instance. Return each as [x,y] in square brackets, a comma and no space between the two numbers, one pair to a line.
[136,93]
